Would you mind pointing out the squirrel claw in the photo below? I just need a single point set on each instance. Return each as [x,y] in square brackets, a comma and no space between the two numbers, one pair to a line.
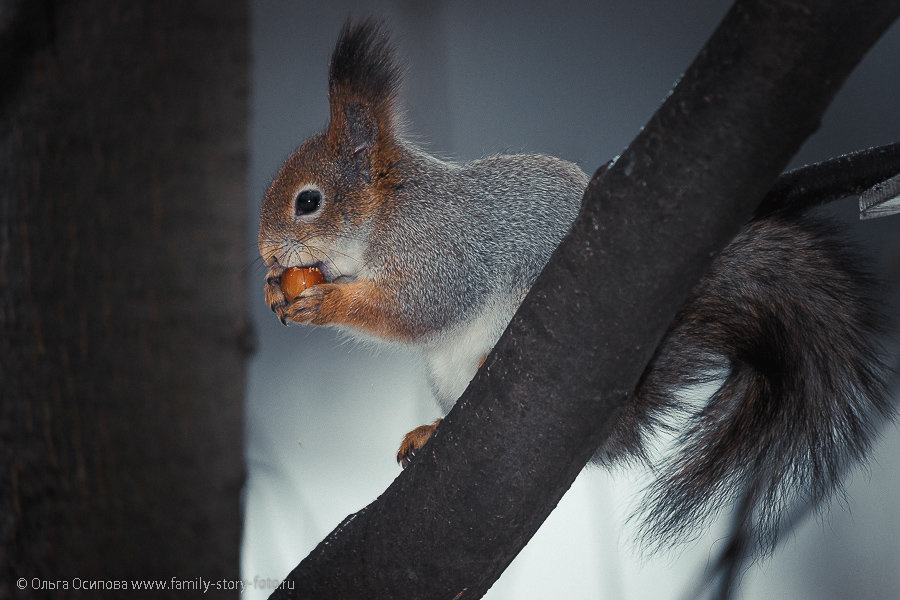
[413,442]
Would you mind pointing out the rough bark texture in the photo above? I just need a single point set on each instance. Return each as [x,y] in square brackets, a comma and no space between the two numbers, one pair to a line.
[122,318]
[452,522]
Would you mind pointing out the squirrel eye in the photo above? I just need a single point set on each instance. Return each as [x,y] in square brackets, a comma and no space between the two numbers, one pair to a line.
[307,202]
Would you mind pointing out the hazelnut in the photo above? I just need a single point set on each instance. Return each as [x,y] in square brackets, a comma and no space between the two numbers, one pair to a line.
[296,279]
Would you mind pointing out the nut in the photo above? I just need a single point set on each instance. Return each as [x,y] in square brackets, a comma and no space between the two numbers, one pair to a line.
[296,279]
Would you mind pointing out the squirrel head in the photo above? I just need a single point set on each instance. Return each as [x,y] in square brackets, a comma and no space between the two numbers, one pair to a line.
[319,208]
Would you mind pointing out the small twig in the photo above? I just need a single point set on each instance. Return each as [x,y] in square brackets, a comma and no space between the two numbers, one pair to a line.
[727,567]
[813,185]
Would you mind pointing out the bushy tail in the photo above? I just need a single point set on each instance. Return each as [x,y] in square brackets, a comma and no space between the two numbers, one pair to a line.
[789,316]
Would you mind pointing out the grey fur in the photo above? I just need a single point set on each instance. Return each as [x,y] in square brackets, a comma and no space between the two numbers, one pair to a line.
[461,234]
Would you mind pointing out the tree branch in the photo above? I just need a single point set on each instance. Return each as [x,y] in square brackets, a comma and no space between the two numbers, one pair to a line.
[543,403]
[814,185]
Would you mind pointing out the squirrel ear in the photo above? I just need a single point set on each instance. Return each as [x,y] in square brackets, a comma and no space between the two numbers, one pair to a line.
[361,128]
[362,88]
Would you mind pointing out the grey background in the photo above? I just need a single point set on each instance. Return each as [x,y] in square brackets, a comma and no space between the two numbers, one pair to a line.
[572,79]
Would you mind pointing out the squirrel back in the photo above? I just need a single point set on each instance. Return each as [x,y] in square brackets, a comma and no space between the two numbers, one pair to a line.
[439,255]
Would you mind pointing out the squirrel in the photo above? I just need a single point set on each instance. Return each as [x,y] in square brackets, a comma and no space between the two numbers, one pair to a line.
[438,255]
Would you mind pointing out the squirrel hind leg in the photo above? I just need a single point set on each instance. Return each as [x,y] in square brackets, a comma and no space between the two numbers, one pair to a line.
[414,441]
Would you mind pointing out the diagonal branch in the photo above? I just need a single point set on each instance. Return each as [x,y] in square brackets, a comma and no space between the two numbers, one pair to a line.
[450,524]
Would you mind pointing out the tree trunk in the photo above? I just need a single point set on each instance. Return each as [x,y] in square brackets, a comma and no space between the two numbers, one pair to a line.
[124,336]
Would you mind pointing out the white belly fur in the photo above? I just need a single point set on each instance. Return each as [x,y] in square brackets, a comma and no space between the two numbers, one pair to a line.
[453,359]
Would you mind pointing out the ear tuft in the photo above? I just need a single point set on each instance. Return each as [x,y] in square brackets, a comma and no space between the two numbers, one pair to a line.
[363,68]
[362,88]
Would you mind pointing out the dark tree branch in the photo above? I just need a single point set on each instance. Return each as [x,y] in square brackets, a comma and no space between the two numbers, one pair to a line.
[830,180]
[650,224]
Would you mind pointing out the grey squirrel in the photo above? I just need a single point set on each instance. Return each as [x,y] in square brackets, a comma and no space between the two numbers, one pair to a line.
[438,256]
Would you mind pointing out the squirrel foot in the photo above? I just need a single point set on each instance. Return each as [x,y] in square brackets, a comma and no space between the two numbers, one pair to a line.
[414,441]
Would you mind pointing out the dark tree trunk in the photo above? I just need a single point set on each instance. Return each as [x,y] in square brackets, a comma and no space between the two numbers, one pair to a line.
[123,341]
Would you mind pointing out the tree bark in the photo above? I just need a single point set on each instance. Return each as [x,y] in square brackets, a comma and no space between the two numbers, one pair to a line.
[650,225]
[122,301]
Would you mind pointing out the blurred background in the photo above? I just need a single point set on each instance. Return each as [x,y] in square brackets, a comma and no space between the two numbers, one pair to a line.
[573,79]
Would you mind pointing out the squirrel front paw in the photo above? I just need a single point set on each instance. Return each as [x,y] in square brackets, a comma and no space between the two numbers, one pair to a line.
[312,305]
[306,308]
[274,295]
[414,441]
